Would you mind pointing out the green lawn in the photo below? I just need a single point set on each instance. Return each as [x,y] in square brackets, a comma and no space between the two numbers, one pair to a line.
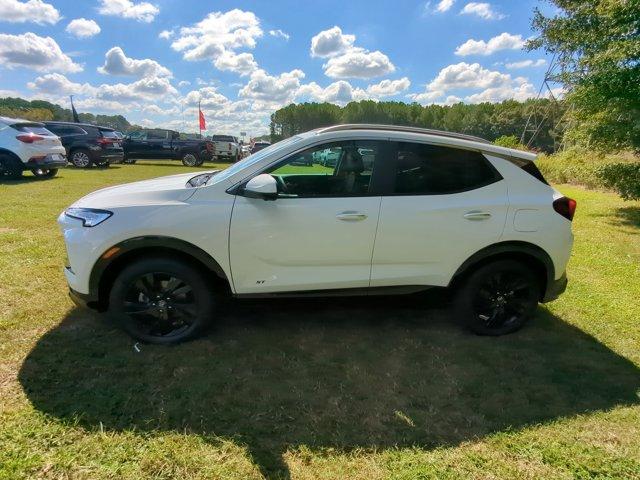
[382,388]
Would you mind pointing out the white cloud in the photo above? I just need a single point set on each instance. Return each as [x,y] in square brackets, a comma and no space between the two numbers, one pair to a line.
[504,41]
[208,97]
[242,63]
[272,89]
[38,53]
[142,11]
[331,42]
[279,33]
[494,86]
[143,89]
[35,11]
[519,92]
[117,63]
[444,5]
[387,88]
[346,60]
[358,63]
[526,64]
[166,34]
[184,83]
[57,84]
[482,10]
[340,92]
[217,34]
[83,28]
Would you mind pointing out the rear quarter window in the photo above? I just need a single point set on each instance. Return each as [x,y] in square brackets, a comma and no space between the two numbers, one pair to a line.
[31,128]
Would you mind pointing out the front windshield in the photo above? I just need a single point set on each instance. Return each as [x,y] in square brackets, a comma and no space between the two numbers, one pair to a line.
[253,159]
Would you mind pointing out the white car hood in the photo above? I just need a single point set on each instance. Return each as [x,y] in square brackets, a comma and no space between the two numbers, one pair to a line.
[164,190]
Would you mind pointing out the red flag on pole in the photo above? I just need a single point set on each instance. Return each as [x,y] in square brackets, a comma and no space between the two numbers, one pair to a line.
[203,123]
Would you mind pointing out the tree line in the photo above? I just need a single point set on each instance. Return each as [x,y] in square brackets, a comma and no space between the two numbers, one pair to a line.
[41,110]
[544,132]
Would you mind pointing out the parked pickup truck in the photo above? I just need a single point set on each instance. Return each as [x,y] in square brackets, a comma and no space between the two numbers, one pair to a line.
[227,147]
[166,144]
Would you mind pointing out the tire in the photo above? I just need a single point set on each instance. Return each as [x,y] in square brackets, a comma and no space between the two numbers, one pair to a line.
[129,161]
[103,164]
[498,298]
[81,158]
[44,172]
[162,301]
[10,167]
[191,159]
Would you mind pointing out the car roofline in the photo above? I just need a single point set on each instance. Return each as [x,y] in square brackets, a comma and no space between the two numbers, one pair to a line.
[441,136]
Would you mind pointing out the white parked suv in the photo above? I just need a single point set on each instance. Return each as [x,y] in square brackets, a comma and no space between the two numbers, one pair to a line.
[428,209]
[26,145]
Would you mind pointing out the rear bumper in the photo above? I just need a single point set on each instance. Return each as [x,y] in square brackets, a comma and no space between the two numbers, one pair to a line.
[48,162]
[555,288]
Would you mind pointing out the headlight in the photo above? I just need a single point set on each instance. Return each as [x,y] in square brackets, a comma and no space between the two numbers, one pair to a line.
[90,216]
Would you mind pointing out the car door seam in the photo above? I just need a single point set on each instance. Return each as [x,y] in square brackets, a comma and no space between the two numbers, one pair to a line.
[375,235]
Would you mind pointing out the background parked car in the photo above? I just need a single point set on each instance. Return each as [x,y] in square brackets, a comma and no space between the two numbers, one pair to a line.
[88,145]
[257,146]
[26,145]
[166,144]
[227,147]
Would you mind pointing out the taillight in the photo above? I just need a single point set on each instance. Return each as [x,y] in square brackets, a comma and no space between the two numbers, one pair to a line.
[29,137]
[104,141]
[209,146]
[566,207]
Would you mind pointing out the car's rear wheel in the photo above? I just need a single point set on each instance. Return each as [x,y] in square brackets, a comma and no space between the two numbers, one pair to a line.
[190,159]
[161,300]
[10,168]
[80,158]
[498,298]
[44,172]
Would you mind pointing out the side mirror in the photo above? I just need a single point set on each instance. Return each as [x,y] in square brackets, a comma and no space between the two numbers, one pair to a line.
[263,186]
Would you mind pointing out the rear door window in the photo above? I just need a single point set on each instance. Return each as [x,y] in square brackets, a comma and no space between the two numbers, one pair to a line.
[423,169]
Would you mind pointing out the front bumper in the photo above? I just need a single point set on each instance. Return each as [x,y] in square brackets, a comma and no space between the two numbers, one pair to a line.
[49,162]
[83,300]
[555,288]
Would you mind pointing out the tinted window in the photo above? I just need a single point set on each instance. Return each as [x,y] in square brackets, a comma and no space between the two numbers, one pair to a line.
[32,128]
[109,134]
[156,135]
[222,138]
[430,170]
[328,170]
[66,130]
[138,135]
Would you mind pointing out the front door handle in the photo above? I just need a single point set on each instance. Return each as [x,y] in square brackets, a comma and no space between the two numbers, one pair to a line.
[477,215]
[351,216]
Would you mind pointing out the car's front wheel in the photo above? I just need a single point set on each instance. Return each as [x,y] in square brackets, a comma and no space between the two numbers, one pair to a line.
[498,298]
[161,300]
[45,172]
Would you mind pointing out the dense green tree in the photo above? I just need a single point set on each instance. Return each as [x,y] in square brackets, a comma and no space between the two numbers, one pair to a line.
[597,45]
[486,120]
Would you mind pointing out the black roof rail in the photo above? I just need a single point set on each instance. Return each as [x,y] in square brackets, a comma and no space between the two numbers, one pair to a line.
[401,128]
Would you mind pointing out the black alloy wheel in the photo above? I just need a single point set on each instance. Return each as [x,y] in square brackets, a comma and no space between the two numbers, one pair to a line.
[162,301]
[498,298]
[10,168]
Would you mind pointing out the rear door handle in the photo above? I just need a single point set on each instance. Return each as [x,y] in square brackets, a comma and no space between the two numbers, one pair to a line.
[477,215]
[351,216]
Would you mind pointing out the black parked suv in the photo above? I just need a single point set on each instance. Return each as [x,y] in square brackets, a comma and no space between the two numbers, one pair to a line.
[87,144]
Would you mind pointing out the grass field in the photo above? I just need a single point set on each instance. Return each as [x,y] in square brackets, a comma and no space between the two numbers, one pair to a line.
[365,389]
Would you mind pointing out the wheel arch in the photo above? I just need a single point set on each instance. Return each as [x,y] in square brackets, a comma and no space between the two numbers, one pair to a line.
[9,153]
[117,257]
[527,253]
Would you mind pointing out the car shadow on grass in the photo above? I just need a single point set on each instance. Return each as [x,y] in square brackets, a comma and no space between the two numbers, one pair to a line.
[368,373]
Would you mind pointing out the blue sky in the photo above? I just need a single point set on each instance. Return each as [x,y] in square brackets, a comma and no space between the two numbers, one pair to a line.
[153,61]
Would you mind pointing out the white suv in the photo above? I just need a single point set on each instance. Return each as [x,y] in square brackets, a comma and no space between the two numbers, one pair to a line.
[26,145]
[426,209]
